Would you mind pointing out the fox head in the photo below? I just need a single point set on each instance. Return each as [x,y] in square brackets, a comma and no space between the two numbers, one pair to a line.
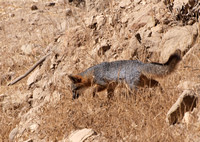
[79,83]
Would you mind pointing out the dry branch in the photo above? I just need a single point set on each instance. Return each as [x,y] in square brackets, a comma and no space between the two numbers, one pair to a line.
[29,71]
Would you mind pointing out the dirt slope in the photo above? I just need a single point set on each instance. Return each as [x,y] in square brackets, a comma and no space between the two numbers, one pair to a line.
[82,33]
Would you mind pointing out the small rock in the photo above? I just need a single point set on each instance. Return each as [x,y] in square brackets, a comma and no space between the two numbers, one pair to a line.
[29,140]
[124,3]
[138,37]
[33,127]
[151,22]
[137,1]
[56,97]
[191,21]
[125,18]
[68,12]
[51,4]
[100,21]
[27,49]
[4,78]
[179,3]
[112,20]
[185,103]
[90,22]
[32,78]
[81,135]
[136,26]
[37,94]
[104,47]
[34,7]
[12,134]
[158,29]
[2,96]
[186,85]
[187,118]
[63,26]
[12,15]
[143,2]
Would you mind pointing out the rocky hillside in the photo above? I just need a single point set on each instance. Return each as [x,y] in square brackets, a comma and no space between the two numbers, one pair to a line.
[73,35]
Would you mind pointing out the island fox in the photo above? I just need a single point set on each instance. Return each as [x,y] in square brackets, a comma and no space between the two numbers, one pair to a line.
[134,73]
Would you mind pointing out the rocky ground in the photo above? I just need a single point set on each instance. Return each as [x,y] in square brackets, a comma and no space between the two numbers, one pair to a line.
[80,33]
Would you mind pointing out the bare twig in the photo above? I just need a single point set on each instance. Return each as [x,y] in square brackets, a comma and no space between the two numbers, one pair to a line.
[30,70]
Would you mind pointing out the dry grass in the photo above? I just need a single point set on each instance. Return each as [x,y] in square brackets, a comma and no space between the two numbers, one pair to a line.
[122,118]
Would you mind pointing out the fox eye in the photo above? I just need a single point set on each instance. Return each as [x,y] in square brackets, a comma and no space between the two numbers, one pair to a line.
[75,79]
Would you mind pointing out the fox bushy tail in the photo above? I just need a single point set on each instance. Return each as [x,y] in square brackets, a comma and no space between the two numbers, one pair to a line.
[161,70]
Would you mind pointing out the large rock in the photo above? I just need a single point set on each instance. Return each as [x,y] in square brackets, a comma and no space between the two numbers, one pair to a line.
[186,102]
[80,135]
[15,102]
[141,18]
[96,5]
[177,37]
[179,3]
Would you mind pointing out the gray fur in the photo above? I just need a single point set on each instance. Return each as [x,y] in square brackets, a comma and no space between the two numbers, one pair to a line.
[118,71]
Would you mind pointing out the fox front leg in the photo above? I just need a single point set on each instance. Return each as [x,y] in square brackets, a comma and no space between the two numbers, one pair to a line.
[98,88]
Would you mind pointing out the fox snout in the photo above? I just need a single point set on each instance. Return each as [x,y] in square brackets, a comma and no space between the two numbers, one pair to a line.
[75,91]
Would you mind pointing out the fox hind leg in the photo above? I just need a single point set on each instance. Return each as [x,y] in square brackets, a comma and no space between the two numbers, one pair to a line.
[111,89]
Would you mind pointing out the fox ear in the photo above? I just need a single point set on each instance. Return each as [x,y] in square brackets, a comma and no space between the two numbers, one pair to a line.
[75,78]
